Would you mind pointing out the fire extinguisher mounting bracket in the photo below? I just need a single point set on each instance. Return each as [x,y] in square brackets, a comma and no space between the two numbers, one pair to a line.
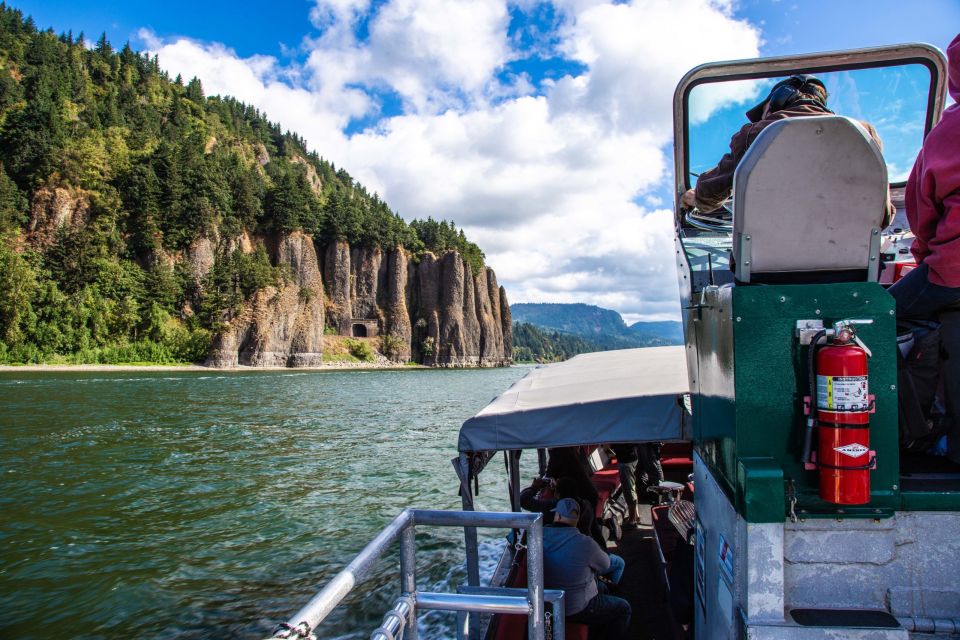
[806,329]
[814,464]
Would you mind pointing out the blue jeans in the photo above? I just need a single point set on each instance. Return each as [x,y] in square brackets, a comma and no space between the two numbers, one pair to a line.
[607,616]
[615,572]
[919,299]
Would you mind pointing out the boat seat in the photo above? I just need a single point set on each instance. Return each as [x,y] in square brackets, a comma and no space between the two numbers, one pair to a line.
[606,482]
[809,197]
[676,456]
[514,627]
[666,537]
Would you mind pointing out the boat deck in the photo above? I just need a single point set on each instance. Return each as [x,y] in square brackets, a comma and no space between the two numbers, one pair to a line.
[642,584]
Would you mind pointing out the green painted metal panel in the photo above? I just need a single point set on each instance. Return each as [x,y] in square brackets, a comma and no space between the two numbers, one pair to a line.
[929,501]
[760,490]
[752,380]
[771,381]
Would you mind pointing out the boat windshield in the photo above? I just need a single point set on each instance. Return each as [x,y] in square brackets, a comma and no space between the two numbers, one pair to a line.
[894,99]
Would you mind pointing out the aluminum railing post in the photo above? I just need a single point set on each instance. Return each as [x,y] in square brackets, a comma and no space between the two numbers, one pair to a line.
[559,618]
[463,627]
[535,626]
[515,479]
[408,573]
[470,542]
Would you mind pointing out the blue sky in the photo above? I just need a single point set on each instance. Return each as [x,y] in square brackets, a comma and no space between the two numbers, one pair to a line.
[543,128]
[277,29]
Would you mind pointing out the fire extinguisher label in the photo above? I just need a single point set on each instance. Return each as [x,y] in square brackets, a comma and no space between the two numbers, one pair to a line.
[853,450]
[842,393]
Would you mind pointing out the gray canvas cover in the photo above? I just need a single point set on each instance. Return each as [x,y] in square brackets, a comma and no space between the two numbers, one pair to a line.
[630,395]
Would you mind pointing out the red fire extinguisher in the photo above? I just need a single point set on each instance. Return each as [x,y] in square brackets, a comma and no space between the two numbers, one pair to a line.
[843,407]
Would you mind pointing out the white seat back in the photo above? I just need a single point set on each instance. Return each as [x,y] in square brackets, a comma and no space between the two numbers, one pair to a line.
[809,196]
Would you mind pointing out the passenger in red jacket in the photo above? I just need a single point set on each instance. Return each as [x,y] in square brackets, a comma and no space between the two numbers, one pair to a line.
[933,211]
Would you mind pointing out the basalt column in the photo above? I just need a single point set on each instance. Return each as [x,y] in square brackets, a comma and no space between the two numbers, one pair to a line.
[365,268]
[506,324]
[336,276]
[491,334]
[281,325]
[426,335]
[397,329]
[306,343]
[471,325]
[453,351]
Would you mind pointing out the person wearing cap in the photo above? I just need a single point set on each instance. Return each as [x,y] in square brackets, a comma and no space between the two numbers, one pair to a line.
[932,290]
[796,97]
[532,499]
[572,561]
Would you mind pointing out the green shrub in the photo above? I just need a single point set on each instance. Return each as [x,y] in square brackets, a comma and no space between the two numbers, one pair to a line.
[360,350]
[391,346]
[428,346]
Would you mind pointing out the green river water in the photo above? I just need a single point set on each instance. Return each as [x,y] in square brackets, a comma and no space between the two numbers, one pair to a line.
[174,504]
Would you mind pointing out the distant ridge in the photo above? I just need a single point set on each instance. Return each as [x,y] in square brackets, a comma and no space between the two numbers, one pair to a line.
[595,329]
[670,330]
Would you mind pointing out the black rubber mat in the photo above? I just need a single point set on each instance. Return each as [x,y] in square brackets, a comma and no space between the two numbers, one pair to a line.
[844,618]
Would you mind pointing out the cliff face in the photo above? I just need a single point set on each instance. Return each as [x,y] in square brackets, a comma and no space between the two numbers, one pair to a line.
[279,326]
[435,312]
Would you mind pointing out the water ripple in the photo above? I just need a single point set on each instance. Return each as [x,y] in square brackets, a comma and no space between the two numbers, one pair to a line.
[186,505]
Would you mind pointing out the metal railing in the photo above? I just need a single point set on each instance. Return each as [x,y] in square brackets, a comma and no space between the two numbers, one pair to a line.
[401,620]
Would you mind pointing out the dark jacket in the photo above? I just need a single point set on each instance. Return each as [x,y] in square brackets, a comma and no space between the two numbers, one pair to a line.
[714,186]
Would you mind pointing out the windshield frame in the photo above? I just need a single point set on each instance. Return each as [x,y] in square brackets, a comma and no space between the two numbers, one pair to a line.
[761,68]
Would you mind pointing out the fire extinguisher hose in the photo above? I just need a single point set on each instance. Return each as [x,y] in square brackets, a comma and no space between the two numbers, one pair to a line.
[812,375]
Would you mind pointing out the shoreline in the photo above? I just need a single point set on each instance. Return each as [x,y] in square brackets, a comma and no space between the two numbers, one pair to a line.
[332,366]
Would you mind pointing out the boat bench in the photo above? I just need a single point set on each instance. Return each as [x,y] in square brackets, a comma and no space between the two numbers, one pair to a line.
[606,482]
[676,456]
[666,537]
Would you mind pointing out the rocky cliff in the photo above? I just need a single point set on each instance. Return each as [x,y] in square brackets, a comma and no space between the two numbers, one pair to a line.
[434,311]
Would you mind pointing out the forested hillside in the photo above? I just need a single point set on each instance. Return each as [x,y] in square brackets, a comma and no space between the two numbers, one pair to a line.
[110,171]
[533,344]
[601,329]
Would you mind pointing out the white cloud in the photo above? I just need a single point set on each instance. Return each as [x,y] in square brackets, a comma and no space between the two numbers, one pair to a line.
[434,53]
[547,182]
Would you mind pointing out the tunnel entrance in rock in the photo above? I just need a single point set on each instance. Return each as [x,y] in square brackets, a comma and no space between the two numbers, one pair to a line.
[359,331]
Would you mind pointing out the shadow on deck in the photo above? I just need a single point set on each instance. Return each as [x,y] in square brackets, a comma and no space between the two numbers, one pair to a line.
[642,583]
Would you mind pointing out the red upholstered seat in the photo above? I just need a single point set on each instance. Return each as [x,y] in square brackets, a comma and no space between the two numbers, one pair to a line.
[677,456]
[605,482]
[515,627]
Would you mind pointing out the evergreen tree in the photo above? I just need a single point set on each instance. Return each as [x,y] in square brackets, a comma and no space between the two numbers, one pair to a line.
[148,165]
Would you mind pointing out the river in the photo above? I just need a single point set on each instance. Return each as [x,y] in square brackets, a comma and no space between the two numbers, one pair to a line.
[168,504]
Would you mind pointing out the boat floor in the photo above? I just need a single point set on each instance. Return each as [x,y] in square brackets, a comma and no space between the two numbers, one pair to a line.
[642,584]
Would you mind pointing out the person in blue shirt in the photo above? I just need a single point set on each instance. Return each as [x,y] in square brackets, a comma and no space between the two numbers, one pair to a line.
[572,561]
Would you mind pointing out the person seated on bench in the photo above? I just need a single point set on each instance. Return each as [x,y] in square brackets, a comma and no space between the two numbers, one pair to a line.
[933,211]
[795,97]
[572,562]
[566,462]
[532,500]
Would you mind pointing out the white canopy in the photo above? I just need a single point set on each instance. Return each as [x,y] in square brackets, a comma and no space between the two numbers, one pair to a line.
[630,395]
